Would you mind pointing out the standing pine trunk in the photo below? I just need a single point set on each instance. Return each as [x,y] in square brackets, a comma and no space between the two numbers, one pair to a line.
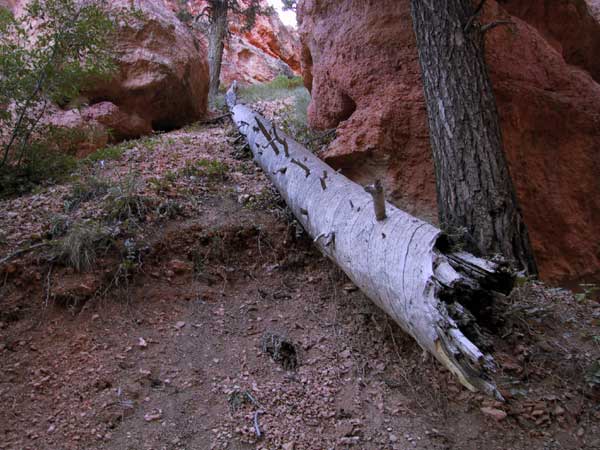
[474,188]
[216,40]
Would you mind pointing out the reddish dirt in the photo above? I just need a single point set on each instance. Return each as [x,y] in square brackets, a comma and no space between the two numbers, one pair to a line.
[172,358]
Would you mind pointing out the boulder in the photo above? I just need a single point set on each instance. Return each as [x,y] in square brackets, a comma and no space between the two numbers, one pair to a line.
[163,69]
[98,125]
[360,61]
[161,81]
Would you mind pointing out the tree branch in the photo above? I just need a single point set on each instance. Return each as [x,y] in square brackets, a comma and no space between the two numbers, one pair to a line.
[494,24]
[478,9]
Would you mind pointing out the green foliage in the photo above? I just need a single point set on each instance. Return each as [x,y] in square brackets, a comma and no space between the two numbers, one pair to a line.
[125,203]
[163,184]
[85,190]
[293,119]
[38,165]
[588,291]
[51,53]
[109,153]
[280,87]
[59,225]
[212,169]
[247,11]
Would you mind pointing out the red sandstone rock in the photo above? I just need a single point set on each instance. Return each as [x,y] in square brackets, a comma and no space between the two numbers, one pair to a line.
[267,50]
[102,123]
[359,59]
[567,25]
[162,79]
[163,70]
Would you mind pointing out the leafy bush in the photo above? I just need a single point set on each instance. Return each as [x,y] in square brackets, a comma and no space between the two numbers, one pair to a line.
[49,54]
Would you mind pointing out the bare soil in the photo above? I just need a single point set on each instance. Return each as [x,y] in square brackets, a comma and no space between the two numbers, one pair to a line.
[185,353]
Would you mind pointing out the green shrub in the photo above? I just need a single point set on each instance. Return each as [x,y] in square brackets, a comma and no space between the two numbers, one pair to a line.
[71,49]
[85,190]
[50,54]
[125,203]
[109,153]
[38,166]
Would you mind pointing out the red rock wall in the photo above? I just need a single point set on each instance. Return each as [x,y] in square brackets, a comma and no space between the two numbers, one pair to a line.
[360,60]
[267,50]
[567,25]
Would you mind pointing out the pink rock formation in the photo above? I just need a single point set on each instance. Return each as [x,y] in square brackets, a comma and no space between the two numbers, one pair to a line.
[163,71]
[267,50]
[101,122]
[568,26]
[360,61]
[161,83]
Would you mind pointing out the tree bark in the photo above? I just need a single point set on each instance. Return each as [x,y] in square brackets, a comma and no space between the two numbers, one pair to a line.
[475,193]
[216,41]
[400,262]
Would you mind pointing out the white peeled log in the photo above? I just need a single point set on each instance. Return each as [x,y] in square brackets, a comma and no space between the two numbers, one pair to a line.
[398,262]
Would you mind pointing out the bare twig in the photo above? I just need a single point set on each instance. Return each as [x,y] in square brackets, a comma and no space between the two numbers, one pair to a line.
[215,119]
[302,166]
[267,135]
[22,251]
[48,286]
[323,178]
[256,426]
[281,141]
[319,137]
[494,24]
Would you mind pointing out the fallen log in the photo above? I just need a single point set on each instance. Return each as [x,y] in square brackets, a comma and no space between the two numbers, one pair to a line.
[403,264]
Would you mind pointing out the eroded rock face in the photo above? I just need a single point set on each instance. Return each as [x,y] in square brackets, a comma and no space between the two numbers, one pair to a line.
[567,25]
[267,50]
[163,70]
[360,60]
[249,64]
[101,123]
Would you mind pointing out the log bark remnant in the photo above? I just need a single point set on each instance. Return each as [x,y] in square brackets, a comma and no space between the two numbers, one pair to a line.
[401,263]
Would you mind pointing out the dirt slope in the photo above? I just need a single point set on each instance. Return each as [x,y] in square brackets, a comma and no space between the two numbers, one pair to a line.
[176,355]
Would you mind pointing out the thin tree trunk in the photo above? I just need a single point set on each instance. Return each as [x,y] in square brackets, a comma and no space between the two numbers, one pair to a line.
[400,262]
[475,193]
[216,41]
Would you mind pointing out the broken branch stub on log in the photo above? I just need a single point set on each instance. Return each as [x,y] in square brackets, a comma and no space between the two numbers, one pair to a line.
[401,263]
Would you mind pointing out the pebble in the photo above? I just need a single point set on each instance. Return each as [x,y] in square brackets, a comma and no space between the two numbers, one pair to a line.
[496,414]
